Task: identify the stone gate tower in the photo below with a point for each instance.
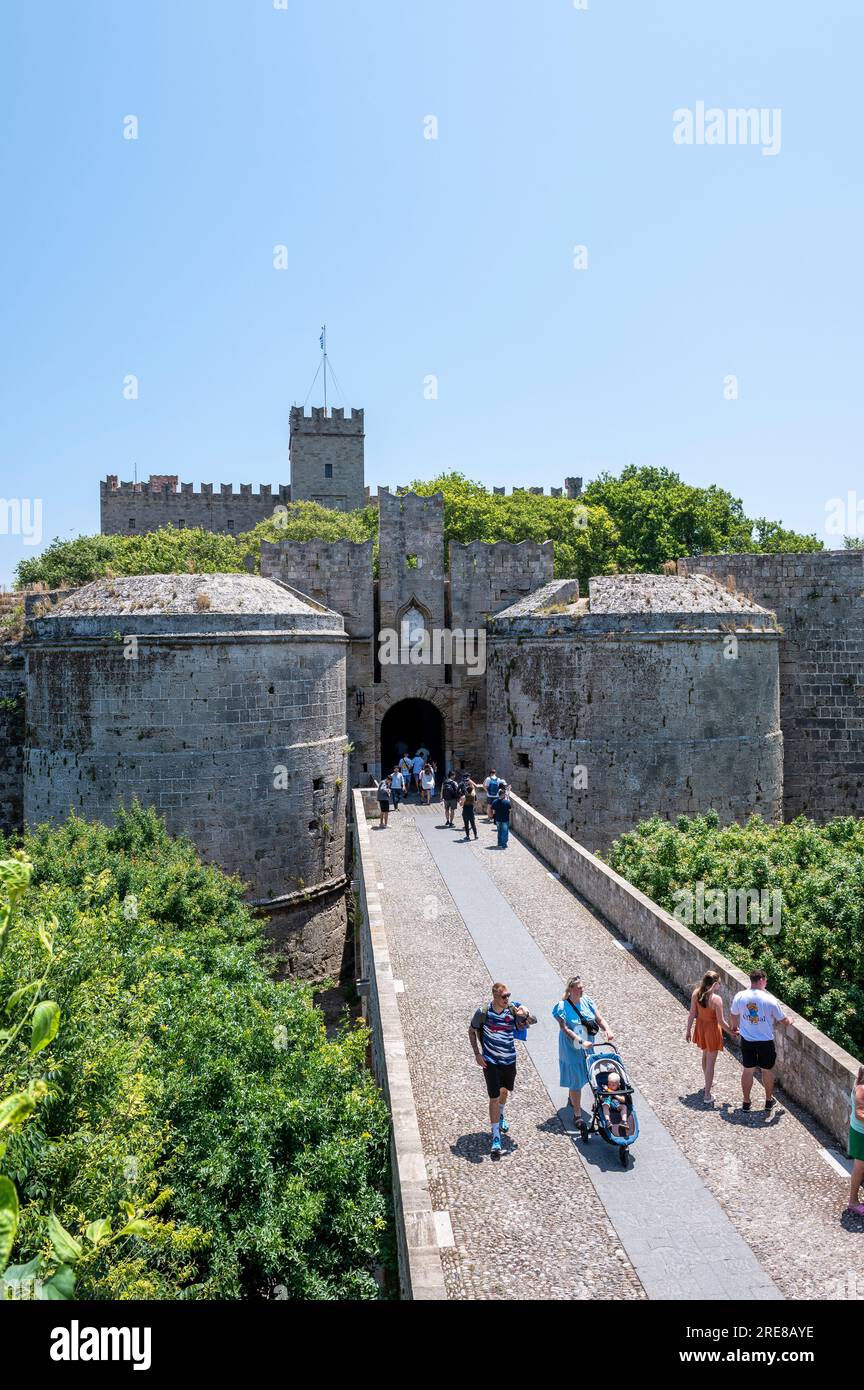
(326, 452)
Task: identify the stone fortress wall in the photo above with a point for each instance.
(656, 695)
(220, 701)
(339, 575)
(12, 706)
(483, 579)
(134, 508)
(819, 602)
(600, 709)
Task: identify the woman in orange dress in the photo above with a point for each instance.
(706, 1011)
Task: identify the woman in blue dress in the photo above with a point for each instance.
(572, 1013)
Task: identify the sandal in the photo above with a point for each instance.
(855, 1210)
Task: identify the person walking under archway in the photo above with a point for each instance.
(468, 803)
(706, 1011)
(491, 785)
(384, 801)
(501, 807)
(450, 797)
(397, 786)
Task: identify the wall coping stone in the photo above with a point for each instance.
(812, 1069)
(421, 1272)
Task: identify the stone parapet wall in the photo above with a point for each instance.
(484, 577)
(604, 720)
(814, 1071)
(421, 1275)
(819, 602)
(150, 507)
(11, 742)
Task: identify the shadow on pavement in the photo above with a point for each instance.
(475, 1148)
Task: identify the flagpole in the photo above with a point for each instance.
(324, 348)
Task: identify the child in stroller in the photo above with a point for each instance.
(612, 1115)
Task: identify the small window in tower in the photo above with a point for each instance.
(523, 760)
(181, 525)
(328, 470)
(230, 525)
(317, 784)
(313, 825)
(131, 523)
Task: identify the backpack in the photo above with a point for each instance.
(450, 790)
(492, 789)
(518, 1032)
(470, 795)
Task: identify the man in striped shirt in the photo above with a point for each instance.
(492, 1036)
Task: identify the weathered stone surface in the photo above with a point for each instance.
(12, 693)
(605, 716)
(227, 716)
(819, 601)
(327, 457)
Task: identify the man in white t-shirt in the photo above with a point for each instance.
(754, 1013)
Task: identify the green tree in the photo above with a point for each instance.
(584, 536)
(661, 518)
(166, 551)
(191, 1094)
(816, 960)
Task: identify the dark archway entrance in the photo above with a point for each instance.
(407, 726)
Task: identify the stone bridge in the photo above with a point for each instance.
(718, 1204)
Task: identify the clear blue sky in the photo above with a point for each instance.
(304, 126)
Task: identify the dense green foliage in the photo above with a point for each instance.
(636, 522)
(166, 551)
(661, 518)
(816, 961)
(186, 1083)
(586, 541)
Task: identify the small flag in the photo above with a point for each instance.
(322, 340)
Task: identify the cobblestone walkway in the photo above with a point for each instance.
(717, 1205)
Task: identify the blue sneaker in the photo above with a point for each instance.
(504, 1127)
(496, 1143)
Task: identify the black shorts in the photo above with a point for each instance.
(497, 1076)
(758, 1054)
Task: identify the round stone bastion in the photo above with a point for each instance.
(219, 700)
(657, 695)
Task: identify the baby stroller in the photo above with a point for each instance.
(600, 1065)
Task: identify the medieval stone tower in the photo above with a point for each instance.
(326, 451)
(327, 464)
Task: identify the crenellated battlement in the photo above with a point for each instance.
(330, 550)
(500, 550)
(333, 421)
(572, 489)
(163, 485)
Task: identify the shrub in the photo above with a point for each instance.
(188, 1083)
(816, 961)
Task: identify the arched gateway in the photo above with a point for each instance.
(409, 725)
